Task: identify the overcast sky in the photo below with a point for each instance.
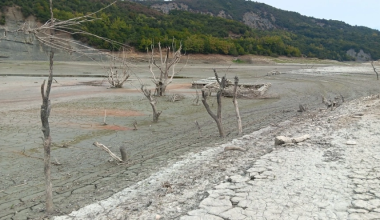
(354, 12)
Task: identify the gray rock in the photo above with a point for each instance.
(216, 205)
(197, 212)
(239, 179)
(234, 214)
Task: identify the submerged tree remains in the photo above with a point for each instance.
(168, 62)
(152, 101)
(117, 79)
(218, 117)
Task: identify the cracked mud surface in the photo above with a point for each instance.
(86, 176)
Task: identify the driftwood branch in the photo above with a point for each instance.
(279, 140)
(103, 147)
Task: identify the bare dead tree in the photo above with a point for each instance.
(48, 34)
(117, 79)
(375, 70)
(168, 62)
(234, 100)
(152, 101)
(218, 116)
(45, 113)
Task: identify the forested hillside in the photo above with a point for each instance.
(138, 25)
(314, 37)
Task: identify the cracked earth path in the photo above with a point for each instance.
(333, 175)
(337, 178)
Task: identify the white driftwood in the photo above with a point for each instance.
(279, 140)
(234, 148)
(101, 146)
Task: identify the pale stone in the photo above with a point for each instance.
(197, 212)
(216, 206)
(341, 206)
(361, 204)
(375, 203)
(357, 211)
(239, 179)
(234, 214)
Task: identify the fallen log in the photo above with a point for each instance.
(279, 140)
(103, 147)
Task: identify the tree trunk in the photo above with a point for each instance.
(160, 89)
(123, 152)
(45, 112)
(216, 118)
(240, 128)
(152, 102)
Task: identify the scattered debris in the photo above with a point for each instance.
(273, 72)
(351, 142)
(175, 97)
(103, 147)
(243, 90)
(279, 140)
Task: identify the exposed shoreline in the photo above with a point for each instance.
(86, 176)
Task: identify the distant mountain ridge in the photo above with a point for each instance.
(233, 27)
(265, 17)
